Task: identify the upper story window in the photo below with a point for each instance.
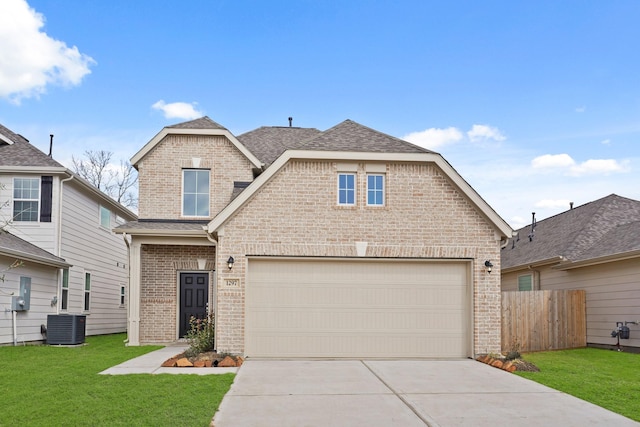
(26, 199)
(105, 218)
(375, 190)
(195, 192)
(347, 189)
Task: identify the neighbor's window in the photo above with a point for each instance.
(375, 190)
(87, 291)
(347, 189)
(525, 283)
(26, 199)
(122, 295)
(195, 192)
(105, 218)
(64, 304)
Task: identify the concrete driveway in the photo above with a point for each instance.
(397, 393)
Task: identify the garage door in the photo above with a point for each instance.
(357, 308)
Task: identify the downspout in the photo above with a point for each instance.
(126, 242)
(15, 328)
(59, 232)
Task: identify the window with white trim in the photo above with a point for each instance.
(105, 218)
(346, 189)
(375, 189)
(26, 199)
(64, 303)
(122, 290)
(195, 192)
(87, 291)
(525, 282)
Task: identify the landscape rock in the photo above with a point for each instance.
(199, 364)
(184, 362)
(171, 363)
(227, 362)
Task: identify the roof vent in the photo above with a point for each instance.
(290, 121)
(570, 205)
(533, 226)
(50, 145)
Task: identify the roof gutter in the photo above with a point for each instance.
(531, 265)
(568, 265)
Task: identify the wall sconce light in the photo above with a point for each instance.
(488, 266)
(54, 300)
(230, 262)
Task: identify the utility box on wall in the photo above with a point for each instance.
(22, 302)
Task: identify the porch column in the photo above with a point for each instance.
(133, 324)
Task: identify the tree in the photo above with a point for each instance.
(119, 182)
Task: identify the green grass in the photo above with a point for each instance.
(56, 386)
(606, 378)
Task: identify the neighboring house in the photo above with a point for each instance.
(342, 243)
(595, 247)
(57, 211)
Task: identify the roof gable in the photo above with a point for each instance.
(596, 229)
(201, 126)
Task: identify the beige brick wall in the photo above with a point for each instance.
(425, 216)
(160, 265)
(160, 173)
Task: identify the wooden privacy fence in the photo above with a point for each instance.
(543, 320)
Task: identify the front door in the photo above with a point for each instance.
(194, 296)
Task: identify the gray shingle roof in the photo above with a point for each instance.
(15, 246)
(163, 225)
(201, 123)
(268, 143)
(22, 153)
(352, 136)
(606, 226)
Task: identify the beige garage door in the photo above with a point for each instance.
(357, 308)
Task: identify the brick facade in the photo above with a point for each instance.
(296, 214)
(160, 173)
(160, 265)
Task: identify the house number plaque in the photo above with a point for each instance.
(232, 283)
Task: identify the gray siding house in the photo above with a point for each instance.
(49, 207)
(595, 247)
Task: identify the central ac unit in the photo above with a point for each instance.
(66, 329)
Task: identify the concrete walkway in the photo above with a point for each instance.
(398, 393)
(150, 364)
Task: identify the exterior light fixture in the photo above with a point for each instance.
(488, 266)
(230, 262)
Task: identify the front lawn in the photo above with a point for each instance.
(44, 385)
(606, 378)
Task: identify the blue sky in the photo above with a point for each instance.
(535, 104)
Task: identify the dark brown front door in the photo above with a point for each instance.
(194, 295)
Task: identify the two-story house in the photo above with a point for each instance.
(305, 243)
(60, 228)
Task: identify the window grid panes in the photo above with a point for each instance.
(346, 189)
(26, 199)
(87, 291)
(105, 217)
(525, 283)
(375, 190)
(64, 304)
(195, 198)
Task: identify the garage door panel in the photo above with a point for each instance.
(338, 308)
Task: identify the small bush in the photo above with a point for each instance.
(200, 335)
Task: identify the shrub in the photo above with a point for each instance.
(200, 335)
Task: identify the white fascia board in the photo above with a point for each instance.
(173, 131)
(457, 180)
(5, 139)
(158, 232)
(595, 261)
(532, 265)
(40, 170)
(22, 256)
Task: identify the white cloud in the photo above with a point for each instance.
(606, 141)
(178, 110)
(31, 60)
(581, 109)
(589, 167)
(434, 137)
(480, 133)
(599, 167)
(552, 161)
